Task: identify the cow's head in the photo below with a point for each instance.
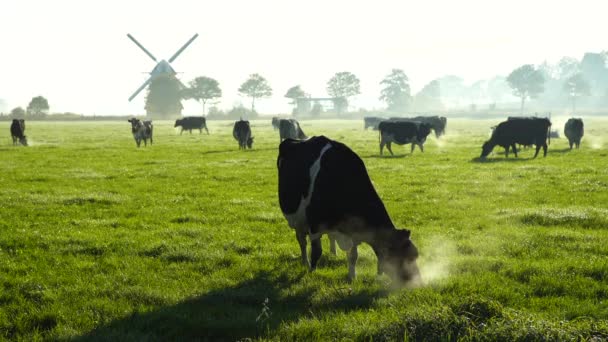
(398, 257)
(250, 142)
(23, 140)
(424, 130)
(486, 148)
(178, 122)
(135, 123)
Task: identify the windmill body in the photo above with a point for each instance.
(162, 68)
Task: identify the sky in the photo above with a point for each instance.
(77, 55)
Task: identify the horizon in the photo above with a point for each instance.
(74, 60)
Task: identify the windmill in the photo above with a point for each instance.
(162, 67)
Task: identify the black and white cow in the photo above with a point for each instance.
(18, 132)
(290, 129)
(574, 131)
(192, 122)
(403, 132)
(242, 133)
(523, 131)
(372, 121)
(141, 131)
(324, 188)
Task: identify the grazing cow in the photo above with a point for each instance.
(242, 133)
(324, 188)
(403, 132)
(141, 131)
(524, 131)
(17, 132)
(574, 131)
(290, 129)
(372, 121)
(192, 122)
(275, 123)
(438, 123)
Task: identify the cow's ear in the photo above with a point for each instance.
(404, 234)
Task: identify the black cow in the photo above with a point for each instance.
(372, 121)
(192, 122)
(242, 133)
(324, 188)
(523, 131)
(275, 123)
(18, 131)
(141, 131)
(403, 132)
(574, 131)
(438, 123)
(290, 129)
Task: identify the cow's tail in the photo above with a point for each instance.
(549, 133)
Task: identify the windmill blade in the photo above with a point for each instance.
(141, 47)
(182, 49)
(140, 89)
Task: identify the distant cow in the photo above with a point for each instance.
(524, 131)
(275, 123)
(438, 123)
(403, 132)
(372, 121)
(574, 131)
(18, 132)
(242, 133)
(141, 131)
(290, 129)
(192, 122)
(324, 188)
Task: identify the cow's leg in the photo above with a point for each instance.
(150, 139)
(182, 131)
(571, 143)
(537, 149)
(332, 245)
(200, 131)
(545, 149)
(413, 147)
(352, 262)
(514, 146)
(578, 144)
(421, 147)
(388, 147)
(315, 252)
(381, 146)
(507, 151)
(207, 130)
(301, 236)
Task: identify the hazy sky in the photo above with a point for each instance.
(77, 55)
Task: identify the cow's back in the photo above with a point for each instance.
(525, 131)
(574, 128)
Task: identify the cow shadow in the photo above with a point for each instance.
(560, 151)
(500, 160)
(388, 156)
(252, 308)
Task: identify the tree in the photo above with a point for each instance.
(203, 89)
(526, 81)
(18, 113)
(341, 86)
(255, 87)
(429, 98)
(294, 93)
(576, 86)
(38, 107)
(396, 91)
(164, 99)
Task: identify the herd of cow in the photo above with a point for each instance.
(324, 187)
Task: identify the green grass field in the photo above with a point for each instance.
(184, 240)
